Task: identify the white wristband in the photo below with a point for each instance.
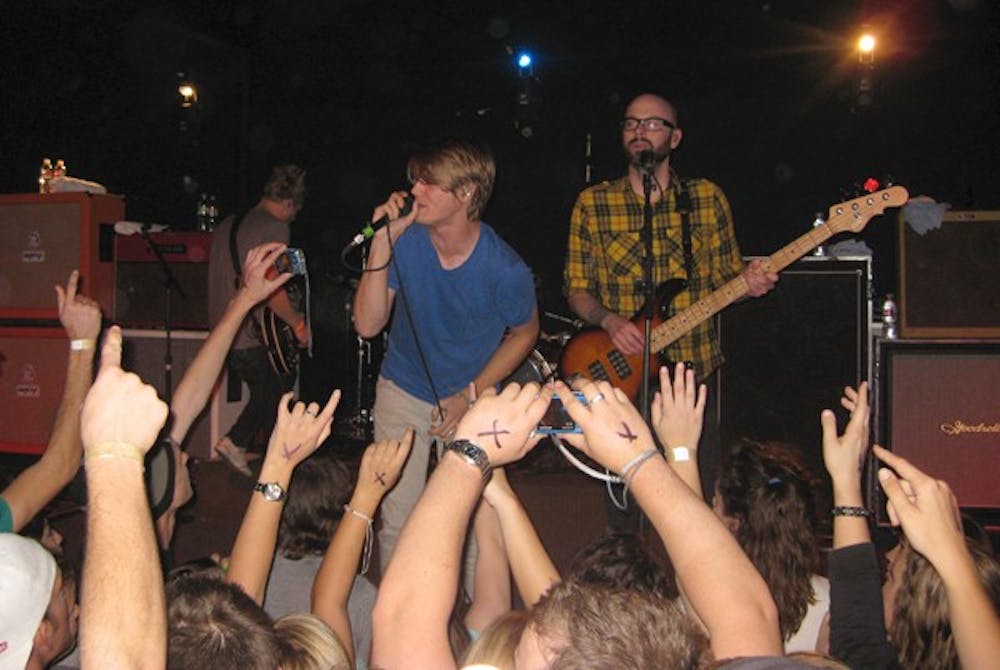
(81, 344)
(680, 454)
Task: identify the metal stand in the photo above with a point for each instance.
(169, 286)
(649, 290)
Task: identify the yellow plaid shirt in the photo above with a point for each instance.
(605, 251)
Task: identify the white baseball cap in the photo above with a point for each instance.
(27, 573)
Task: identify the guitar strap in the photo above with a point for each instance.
(234, 385)
(684, 209)
(234, 252)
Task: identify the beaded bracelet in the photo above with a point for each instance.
(851, 510)
(117, 450)
(366, 555)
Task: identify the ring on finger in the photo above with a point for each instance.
(596, 399)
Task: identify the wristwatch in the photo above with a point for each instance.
(271, 491)
(473, 454)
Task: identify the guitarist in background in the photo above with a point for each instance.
(602, 279)
(268, 221)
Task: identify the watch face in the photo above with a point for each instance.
(271, 491)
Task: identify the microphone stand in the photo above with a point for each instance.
(169, 285)
(649, 291)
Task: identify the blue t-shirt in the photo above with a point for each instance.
(6, 518)
(460, 315)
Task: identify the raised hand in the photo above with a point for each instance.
(299, 431)
(120, 410)
(79, 315)
(613, 431)
(925, 508)
(257, 285)
(381, 466)
(679, 408)
(503, 425)
(844, 454)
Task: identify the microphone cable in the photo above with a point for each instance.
(401, 295)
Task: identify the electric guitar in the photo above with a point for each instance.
(279, 340)
(591, 353)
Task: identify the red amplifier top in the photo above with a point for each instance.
(183, 247)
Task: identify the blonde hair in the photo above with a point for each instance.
(307, 643)
(459, 166)
(497, 642)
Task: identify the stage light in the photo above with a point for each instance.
(188, 92)
(524, 60)
(866, 48)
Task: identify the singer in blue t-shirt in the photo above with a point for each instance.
(461, 302)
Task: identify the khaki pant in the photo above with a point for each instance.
(395, 411)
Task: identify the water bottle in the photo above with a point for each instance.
(202, 213)
(44, 175)
(818, 222)
(889, 322)
(213, 213)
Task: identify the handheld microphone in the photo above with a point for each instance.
(369, 230)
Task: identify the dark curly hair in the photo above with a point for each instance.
(316, 497)
(622, 560)
(768, 491)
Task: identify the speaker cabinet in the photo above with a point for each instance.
(948, 278)
(32, 378)
(143, 353)
(140, 285)
(790, 353)
(937, 407)
(44, 237)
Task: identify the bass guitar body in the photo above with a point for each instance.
(590, 353)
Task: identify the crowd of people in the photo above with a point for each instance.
(730, 574)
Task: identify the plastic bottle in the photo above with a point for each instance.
(889, 316)
(44, 175)
(202, 213)
(213, 213)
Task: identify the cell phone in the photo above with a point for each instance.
(557, 420)
(291, 261)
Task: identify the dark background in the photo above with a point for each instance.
(767, 93)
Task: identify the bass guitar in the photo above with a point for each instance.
(590, 353)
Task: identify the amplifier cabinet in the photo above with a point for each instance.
(140, 287)
(32, 378)
(937, 407)
(790, 353)
(948, 278)
(44, 237)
